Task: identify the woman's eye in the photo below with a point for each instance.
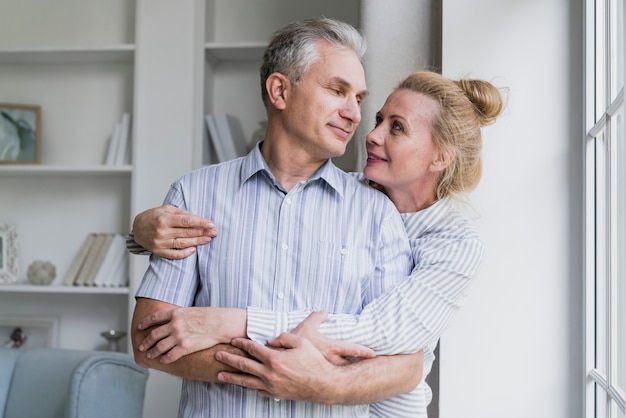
(377, 121)
(396, 126)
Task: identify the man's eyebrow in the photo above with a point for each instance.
(345, 83)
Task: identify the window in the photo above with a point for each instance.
(605, 211)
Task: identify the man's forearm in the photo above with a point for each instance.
(379, 378)
(200, 365)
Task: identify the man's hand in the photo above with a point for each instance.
(297, 371)
(181, 331)
(336, 352)
(170, 232)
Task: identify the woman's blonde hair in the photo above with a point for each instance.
(465, 106)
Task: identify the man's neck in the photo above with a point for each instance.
(289, 165)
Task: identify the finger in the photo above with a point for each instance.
(241, 363)
(347, 349)
(161, 347)
(155, 318)
(181, 243)
(173, 254)
(153, 338)
(245, 380)
(285, 340)
(189, 220)
(172, 355)
(314, 320)
(253, 348)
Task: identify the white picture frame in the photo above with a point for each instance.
(8, 253)
(34, 332)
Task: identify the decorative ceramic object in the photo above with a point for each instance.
(41, 272)
(113, 336)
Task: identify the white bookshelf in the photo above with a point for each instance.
(82, 78)
(86, 62)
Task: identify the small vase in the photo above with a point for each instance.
(113, 337)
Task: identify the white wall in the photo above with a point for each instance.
(515, 348)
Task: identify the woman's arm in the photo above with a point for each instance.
(412, 314)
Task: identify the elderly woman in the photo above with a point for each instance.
(424, 153)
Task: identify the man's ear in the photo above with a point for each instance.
(277, 86)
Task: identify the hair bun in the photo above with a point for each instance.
(485, 97)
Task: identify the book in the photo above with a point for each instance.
(123, 149)
(113, 257)
(114, 142)
(214, 138)
(79, 260)
(119, 276)
(93, 260)
(231, 135)
(226, 135)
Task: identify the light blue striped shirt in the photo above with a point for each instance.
(330, 243)
(448, 253)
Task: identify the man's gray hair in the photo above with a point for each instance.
(293, 48)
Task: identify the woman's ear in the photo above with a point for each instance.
(443, 160)
(277, 86)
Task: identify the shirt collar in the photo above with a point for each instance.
(417, 223)
(254, 163)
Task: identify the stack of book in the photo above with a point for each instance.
(118, 151)
(101, 261)
(226, 135)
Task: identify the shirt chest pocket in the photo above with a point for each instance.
(339, 274)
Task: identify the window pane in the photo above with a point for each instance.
(600, 60)
(601, 240)
(620, 229)
(619, 43)
(617, 47)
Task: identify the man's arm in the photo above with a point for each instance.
(200, 365)
(297, 371)
(170, 232)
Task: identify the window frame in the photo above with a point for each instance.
(604, 101)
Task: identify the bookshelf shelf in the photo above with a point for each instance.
(56, 55)
(61, 289)
(53, 170)
(217, 52)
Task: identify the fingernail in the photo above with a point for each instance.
(141, 348)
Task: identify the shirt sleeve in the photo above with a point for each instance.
(134, 248)
(414, 313)
(171, 281)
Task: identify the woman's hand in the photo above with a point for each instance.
(181, 331)
(336, 352)
(170, 232)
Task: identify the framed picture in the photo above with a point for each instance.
(8, 253)
(20, 127)
(29, 332)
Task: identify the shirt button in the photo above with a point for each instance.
(343, 251)
(288, 201)
(281, 295)
(284, 247)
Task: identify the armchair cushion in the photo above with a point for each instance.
(61, 383)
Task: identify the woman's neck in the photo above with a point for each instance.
(408, 201)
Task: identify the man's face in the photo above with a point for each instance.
(324, 109)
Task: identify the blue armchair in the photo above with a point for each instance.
(62, 383)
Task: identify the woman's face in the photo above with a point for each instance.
(401, 155)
